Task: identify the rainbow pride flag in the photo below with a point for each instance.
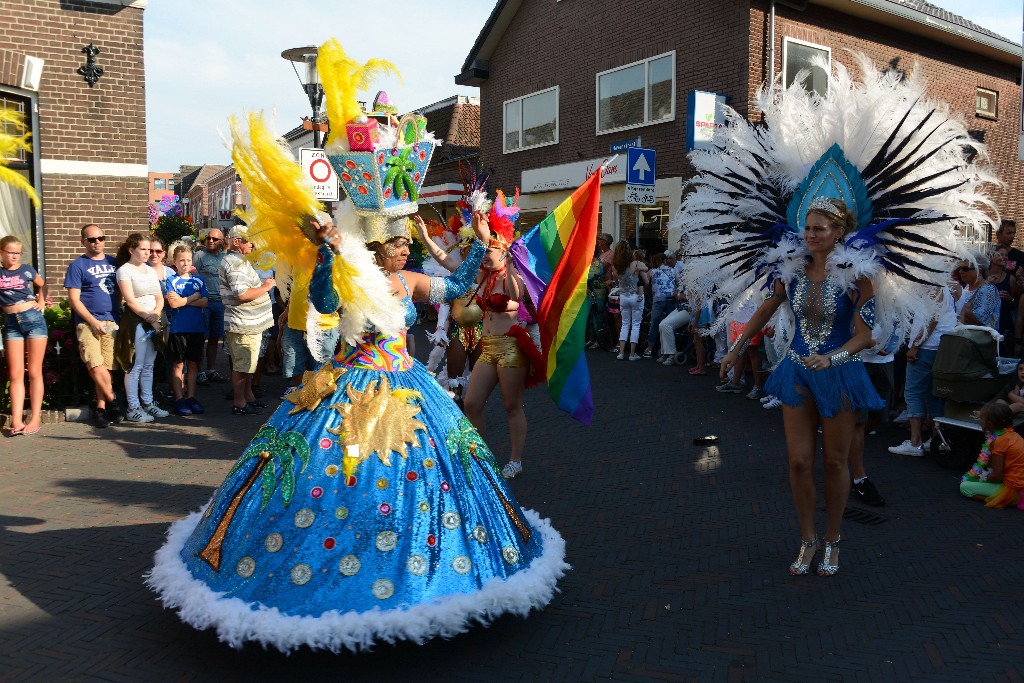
(554, 259)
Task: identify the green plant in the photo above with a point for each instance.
(172, 228)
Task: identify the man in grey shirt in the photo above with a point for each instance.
(247, 312)
(207, 264)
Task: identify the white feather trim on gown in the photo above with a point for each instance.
(237, 621)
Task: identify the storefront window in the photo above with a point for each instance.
(645, 227)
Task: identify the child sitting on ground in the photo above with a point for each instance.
(186, 298)
(1015, 391)
(998, 476)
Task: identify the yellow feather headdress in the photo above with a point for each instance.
(282, 202)
(343, 78)
(10, 145)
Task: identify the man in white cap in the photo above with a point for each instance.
(247, 313)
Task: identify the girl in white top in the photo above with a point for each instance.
(140, 287)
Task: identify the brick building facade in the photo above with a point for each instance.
(88, 162)
(722, 47)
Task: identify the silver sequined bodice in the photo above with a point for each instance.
(824, 315)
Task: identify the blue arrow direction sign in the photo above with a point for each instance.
(640, 166)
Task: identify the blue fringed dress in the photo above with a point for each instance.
(824, 322)
(309, 543)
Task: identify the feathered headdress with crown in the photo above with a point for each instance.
(904, 166)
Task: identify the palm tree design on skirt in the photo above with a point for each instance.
(266, 447)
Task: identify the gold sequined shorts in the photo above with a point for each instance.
(501, 351)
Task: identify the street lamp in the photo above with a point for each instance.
(310, 80)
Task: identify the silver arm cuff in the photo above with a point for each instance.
(840, 357)
(437, 289)
(740, 346)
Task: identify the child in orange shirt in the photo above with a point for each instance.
(998, 476)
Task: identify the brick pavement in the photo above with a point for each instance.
(679, 556)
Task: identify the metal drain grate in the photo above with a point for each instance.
(863, 517)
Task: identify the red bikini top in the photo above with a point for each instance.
(497, 302)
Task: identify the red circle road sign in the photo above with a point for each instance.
(326, 171)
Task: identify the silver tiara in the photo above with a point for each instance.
(825, 205)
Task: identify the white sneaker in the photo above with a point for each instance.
(773, 404)
(155, 410)
(907, 448)
(767, 397)
(138, 415)
(513, 468)
(902, 418)
(634, 356)
(669, 360)
(756, 393)
(621, 356)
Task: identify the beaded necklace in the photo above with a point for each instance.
(981, 470)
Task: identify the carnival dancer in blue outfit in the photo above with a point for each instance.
(840, 213)
(367, 508)
(821, 378)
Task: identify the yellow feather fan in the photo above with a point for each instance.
(281, 204)
(343, 78)
(10, 145)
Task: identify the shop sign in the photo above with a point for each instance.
(704, 114)
(570, 176)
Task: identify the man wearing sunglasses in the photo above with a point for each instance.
(207, 264)
(94, 297)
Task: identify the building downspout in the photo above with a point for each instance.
(771, 43)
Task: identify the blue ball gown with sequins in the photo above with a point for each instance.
(824, 322)
(303, 546)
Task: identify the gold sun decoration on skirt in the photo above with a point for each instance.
(379, 421)
(315, 387)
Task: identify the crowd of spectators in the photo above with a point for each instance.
(154, 313)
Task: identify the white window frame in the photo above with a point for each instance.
(504, 128)
(995, 100)
(647, 95)
(786, 41)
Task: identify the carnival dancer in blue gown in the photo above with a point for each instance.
(367, 508)
(839, 215)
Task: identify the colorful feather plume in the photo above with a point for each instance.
(10, 146)
(914, 178)
(343, 78)
(281, 203)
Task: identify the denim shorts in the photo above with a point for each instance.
(28, 324)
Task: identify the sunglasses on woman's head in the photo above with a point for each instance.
(94, 240)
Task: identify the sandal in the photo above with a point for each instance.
(804, 559)
(16, 431)
(697, 371)
(828, 565)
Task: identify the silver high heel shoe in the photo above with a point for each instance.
(827, 567)
(804, 559)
